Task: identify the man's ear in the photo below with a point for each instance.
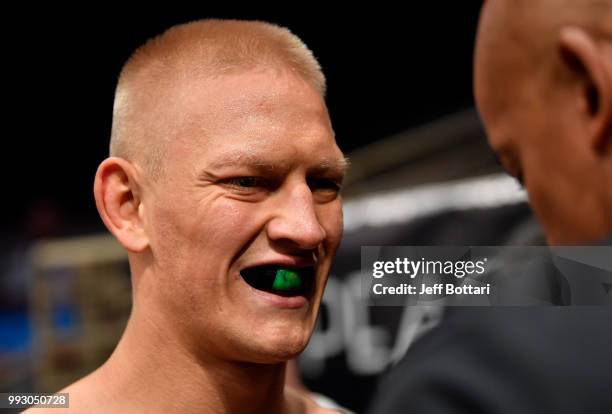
(588, 60)
(117, 199)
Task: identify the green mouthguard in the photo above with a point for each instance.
(286, 279)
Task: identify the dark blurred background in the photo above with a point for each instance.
(400, 98)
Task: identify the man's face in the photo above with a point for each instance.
(531, 127)
(249, 187)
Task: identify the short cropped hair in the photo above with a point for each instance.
(203, 49)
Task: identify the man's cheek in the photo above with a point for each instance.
(232, 221)
(332, 222)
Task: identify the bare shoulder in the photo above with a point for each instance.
(301, 402)
(317, 409)
(73, 405)
(37, 410)
(84, 396)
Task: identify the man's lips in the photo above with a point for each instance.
(280, 279)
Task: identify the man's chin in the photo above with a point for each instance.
(276, 356)
(276, 348)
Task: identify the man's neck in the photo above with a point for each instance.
(150, 372)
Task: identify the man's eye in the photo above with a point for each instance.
(246, 182)
(324, 186)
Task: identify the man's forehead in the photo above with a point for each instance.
(184, 95)
(259, 89)
(254, 105)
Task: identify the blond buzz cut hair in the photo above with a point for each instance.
(203, 49)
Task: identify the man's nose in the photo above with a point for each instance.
(295, 219)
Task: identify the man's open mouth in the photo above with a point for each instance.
(280, 280)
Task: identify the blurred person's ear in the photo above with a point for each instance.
(591, 62)
(119, 204)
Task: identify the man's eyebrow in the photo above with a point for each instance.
(336, 165)
(241, 159)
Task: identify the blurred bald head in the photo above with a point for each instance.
(159, 74)
(519, 36)
(543, 87)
